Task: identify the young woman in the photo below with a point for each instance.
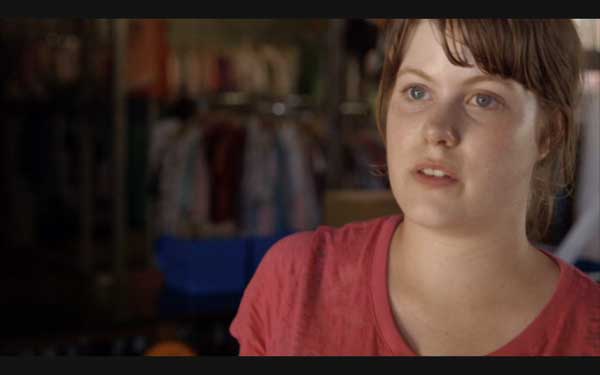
(477, 118)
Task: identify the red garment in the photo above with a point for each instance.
(224, 155)
(147, 57)
(325, 293)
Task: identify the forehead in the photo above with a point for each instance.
(425, 46)
(424, 53)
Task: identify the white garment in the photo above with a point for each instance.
(170, 147)
(259, 180)
(583, 240)
(303, 210)
(160, 137)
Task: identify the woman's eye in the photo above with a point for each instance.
(417, 93)
(485, 101)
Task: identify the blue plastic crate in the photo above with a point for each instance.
(258, 247)
(211, 266)
(203, 267)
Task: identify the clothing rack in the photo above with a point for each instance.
(291, 106)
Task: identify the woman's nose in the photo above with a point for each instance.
(441, 127)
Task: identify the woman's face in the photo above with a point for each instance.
(478, 129)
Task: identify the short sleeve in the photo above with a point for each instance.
(250, 324)
(264, 298)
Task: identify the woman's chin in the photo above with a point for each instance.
(434, 217)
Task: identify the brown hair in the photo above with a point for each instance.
(544, 56)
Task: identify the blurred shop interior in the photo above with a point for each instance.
(149, 164)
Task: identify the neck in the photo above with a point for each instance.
(443, 266)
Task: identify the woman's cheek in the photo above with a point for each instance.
(502, 158)
(400, 120)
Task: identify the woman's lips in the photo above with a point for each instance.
(434, 181)
(435, 166)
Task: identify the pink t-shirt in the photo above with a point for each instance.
(325, 292)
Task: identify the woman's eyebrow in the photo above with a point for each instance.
(414, 71)
(487, 78)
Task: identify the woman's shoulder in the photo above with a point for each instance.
(577, 310)
(347, 243)
(579, 290)
(576, 279)
(588, 288)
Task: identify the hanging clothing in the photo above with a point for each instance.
(200, 212)
(258, 181)
(300, 201)
(225, 147)
(187, 196)
(147, 56)
(179, 140)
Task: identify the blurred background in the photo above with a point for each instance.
(148, 164)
